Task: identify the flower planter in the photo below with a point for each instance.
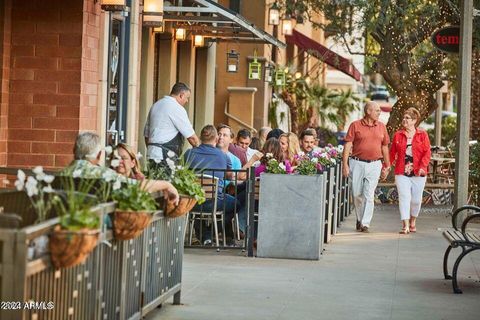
(185, 204)
(291, 216)
(130, 224)
(69, 248)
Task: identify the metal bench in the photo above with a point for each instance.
(468, 241)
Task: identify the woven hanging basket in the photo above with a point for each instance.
(185, 204)
(69, 248)
(130, 224)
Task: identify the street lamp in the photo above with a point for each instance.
(153, 13)
(287, 25)
(274, 15)
(232, 61)
(113, 5)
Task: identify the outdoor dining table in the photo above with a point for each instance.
(436, 161)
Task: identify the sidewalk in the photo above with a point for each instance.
(379, 275)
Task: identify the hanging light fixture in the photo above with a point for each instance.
(113, 5)
(232, 61)
(159, 29)
(287, 25)
(298, 75)
(308, 80)
(280, 78)
(198, 40)
(153, 13)
(254, 68)
(274, 15)
(268, 73)
(180, 34)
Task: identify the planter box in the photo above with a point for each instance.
(291, 216)
(119, 280)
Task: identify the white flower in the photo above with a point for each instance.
(340, 148)
(282, 166)
(48, 179)
(269, 155)
(37, 170)
(171, 154)
(20, 183)
(314, 160)
(108, 150)
(115, 163)
(157, 161)
(109, 175)
(170, 163)
(139, 155)
(116, 185)
(48, 189)
(333, 161)
(77, 173)
(31, 186)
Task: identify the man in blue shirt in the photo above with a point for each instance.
(212, 161)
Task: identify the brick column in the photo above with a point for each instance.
(5, 32)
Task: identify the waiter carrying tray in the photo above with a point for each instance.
(168, 125)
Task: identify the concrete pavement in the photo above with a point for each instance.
(379, 275)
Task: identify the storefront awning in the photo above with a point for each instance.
(324, 54)
(212, 20)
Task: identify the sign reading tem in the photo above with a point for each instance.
(447, 39)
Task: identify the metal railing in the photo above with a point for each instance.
(119, 279)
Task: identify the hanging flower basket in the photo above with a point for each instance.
(69, 248)
(130, 224)
(185, 204)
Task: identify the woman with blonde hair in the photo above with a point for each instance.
(290, 146)
(410, 154)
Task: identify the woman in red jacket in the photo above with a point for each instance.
(410, 154)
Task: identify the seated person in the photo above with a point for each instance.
(204, 157)
(129, 167)
(244, 138)
(273, 149)
(290, 147)
(308, 142)
(275, 133)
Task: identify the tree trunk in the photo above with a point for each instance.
(475, 99)
(290, 101)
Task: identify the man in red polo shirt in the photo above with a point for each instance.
(368, 140)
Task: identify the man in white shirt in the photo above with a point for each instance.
(168, 125)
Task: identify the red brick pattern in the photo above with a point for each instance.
(5, 75)
(49, 79)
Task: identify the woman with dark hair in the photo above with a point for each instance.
(272, 150)
(410, 154)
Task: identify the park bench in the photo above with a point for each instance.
(468, 241)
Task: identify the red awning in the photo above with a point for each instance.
(324, 54)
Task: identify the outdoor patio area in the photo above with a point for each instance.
(377, 275)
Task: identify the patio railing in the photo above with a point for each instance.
(119, 279)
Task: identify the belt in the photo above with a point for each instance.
(363, 160)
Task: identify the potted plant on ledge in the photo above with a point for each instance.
(135, 207)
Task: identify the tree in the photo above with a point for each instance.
(401, 30)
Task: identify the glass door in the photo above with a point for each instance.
(117, 89)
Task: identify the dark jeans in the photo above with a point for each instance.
(227, 205)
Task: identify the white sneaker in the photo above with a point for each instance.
(207, 242)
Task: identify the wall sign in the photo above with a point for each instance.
(447, 39)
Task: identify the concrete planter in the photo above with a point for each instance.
(291, 216)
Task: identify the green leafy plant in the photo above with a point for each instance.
(131, 197)
(306, 166)
(180, 175)
(273, 166)
(74, 203)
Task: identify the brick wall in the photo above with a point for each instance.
(5, 32)
(53, 81)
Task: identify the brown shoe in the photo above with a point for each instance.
(359, 226)
(365, 229)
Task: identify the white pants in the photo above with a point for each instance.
(410, 193)
(365, 177)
